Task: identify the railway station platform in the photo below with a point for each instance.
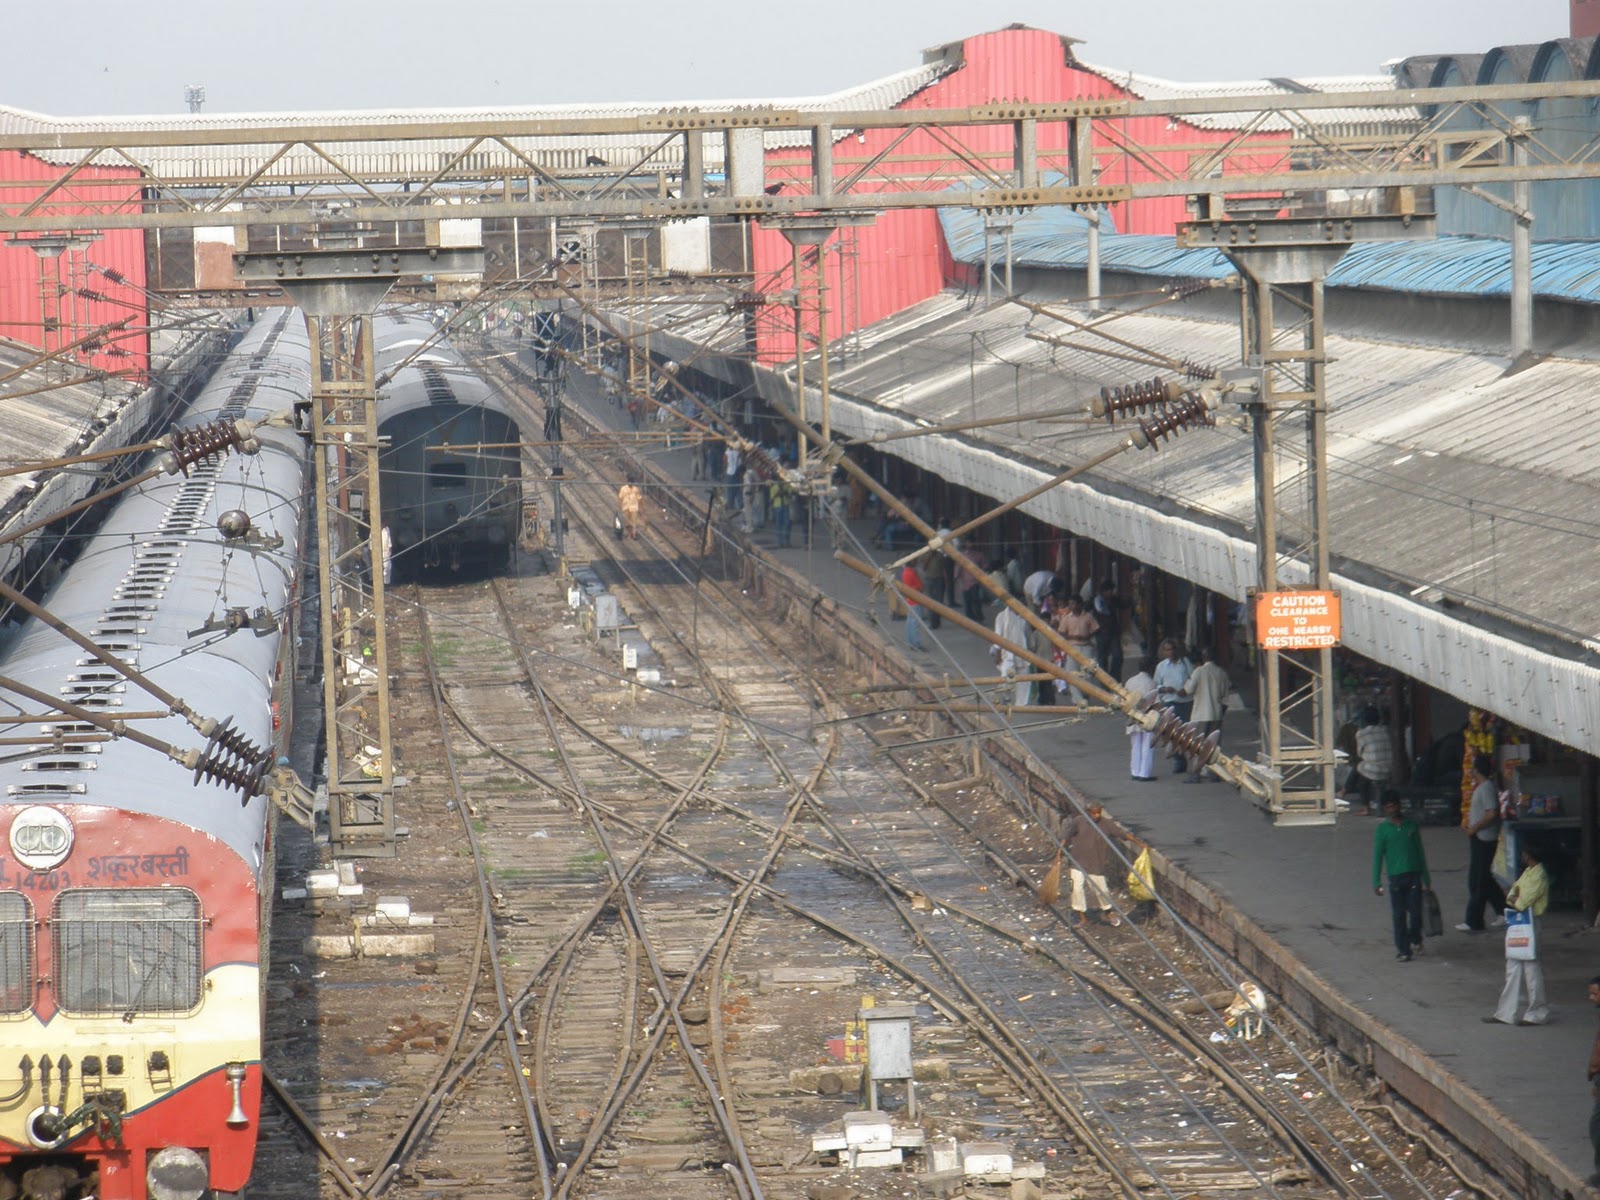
(1309, 888)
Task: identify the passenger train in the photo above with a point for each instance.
(135, 892)
(446, 504)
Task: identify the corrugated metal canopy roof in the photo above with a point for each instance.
(49, 422)
(1444, 266)
(1445, 474)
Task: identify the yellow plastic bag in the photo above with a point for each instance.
(1141, 881)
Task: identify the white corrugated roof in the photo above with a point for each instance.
(877, 93)
(408, 158)
(1153, 87)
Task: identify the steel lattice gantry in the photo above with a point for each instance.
(338, 291)
(758, 162)
(1283, 264)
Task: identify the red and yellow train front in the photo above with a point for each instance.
(130, 1007)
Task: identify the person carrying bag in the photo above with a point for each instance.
(1525, 904)
(1397, 845)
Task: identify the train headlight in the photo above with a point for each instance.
(177, 1173)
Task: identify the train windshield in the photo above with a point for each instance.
(128, 951)
(447, 475)
(16, 953)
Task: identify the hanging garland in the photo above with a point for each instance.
(1479, 738)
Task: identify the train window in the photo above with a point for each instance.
(128, 951)
(16, 953)
(447, 475)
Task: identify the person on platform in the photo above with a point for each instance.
(1008, 624)
(1016, 576)
(970, 590)
(1089, 837)
(911, 579)
(857, 507)
(1529, 894)
(1142, 758)
(780, 500)
(1108, 608)
(1078, 625)
(733, 475)
(1172, 674)
(1594, 1087)
(1483, 831)
(1208, 689)
(1374, 758)
(1038, 585)
(1397, 845)
(757, 478)
(630, 500)
(937, 565)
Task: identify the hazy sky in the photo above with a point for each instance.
(117, 56)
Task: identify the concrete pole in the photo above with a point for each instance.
(988, 266)
(1093, 281)
(799, 356)
(1521, 250)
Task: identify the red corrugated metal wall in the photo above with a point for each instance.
(1585, 18)
(43, 301)
(902, 258)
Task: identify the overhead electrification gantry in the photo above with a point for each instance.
(755, 162)
(409, 182)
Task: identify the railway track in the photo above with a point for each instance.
(682, 892)
(1278, 1085)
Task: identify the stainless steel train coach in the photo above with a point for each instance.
(134, 890)
(450, 467)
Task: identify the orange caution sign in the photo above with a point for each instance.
(1298, 620)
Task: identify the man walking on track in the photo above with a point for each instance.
(631, 501)
(1088, 838)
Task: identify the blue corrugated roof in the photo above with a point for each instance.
(1466, 266)
(1445, 266)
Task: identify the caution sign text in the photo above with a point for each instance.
(1299, 620)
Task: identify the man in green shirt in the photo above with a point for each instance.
(1398, 843)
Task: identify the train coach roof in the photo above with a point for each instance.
(137, 779)
(428, 386)
(47, 419)
(154, 587)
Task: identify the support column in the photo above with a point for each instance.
(992, 226)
